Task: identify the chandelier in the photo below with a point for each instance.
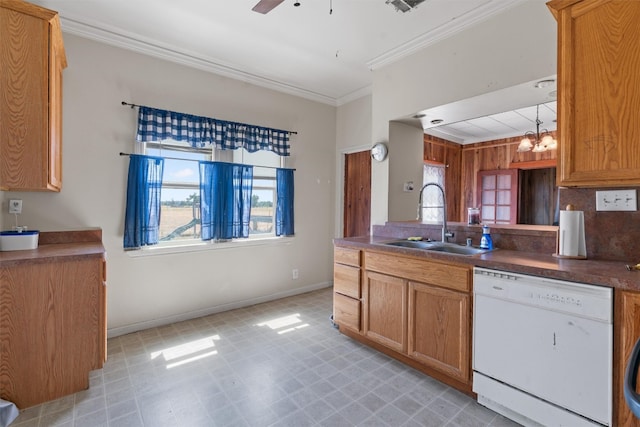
(537, 142)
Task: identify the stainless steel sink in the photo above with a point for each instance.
(411, 244)
(449, 248)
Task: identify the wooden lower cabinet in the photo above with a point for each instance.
(413, 309)
(439, 329)
(626, 333)
(52, 327)
(385, 310)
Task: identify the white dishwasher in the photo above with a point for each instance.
(542, 349)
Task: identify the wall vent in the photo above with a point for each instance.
(404, 5)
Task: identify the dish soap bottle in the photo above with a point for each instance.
(485, 240)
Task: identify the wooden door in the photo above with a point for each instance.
(385, 310)
(357, 194)
(537, 196)
(439, 329)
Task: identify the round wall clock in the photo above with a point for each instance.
(379, 151)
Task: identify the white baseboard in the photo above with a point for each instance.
(123, 330)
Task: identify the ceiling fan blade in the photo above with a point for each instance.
(265, 6)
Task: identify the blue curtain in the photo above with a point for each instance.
(157, 125)
(284, 204)
(225, 200)
(142, 214)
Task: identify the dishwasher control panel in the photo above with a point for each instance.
(595, 302)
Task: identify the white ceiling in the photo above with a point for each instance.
(302, 50)
(499, 126)
(501, 114)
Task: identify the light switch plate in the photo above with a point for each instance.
(616, 200)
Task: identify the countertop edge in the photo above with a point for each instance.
(596, 272)
(58, 244)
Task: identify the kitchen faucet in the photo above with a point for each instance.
(445, 232)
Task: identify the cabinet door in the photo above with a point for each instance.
(627, 332)
(598, 92)
(23, 99)
(385, 310)
(439, 329)
(31, 66)
(50, 334)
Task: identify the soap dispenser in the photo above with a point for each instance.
(485, 240)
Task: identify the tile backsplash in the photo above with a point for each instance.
(608, 235)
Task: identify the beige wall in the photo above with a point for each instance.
(514, 47)
(353, 135)
(157, 289)
(405, 164)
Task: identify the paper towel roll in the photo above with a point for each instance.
(571, 234)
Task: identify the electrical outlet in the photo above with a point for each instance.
(15, 206)
(294, 274)
(616, 200)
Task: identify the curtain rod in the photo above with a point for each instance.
(290, 132)
(193, 160)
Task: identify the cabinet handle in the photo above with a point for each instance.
(104, 270)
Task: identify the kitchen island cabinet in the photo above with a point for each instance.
(32, 58)
(52, 320)
(598, 92)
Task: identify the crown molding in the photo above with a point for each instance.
(118, 38)
(367, 90)
(440, 33)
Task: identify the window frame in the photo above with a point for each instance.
(513, 191)
(211, 154)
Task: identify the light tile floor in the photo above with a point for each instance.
(279, 363)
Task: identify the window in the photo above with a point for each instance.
(263, 203)
(432, 201)
(498, 195)
(180, 196)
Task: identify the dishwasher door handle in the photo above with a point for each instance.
(630, 376)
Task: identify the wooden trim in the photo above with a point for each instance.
(557, 5)
(535, 164)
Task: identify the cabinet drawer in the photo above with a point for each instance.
(346, 256)
(346, 312)
(346, 280)
(435, 273)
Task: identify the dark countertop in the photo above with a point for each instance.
(54, 245)
(605, 273)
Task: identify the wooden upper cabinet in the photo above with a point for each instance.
(598, 92)
(32, 58)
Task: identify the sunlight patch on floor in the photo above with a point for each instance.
(284, 324)
(188, 352)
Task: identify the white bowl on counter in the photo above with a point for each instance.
(18, 240)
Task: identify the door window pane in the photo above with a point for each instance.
(497, 192)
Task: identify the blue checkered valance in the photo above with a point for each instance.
(156, 125)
